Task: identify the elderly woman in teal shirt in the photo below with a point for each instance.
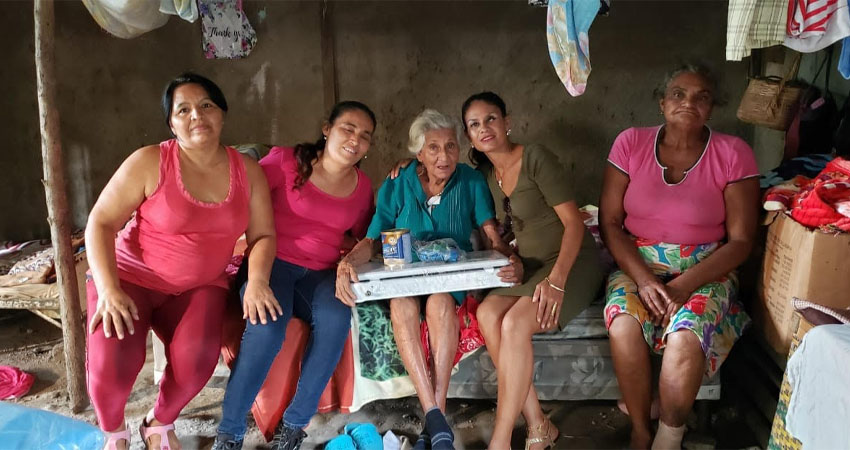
(434, 197)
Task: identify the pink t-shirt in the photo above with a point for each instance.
(175, 243)
(692, 211)
(310, 223)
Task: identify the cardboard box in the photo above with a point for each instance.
(801, 263)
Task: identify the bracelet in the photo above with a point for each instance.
(553, 286)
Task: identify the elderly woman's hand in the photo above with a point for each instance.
(345, 275)
(116, 310)
(259, 299)
(513, 272)
(549, 298)
(653, 294)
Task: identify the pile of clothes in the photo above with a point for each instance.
(821, 202)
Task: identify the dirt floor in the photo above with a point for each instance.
(34, 345)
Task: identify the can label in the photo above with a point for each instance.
(397, 247)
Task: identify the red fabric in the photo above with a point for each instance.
(280, 384)
(814, 202)
(174, 242)
(470, 333)
(14, 382)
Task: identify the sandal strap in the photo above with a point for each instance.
(161, 430)
(113, 438)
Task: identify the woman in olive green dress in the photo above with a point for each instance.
(534, 203)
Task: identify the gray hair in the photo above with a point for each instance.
(702, 70)
(430, 120)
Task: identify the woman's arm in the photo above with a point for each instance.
(549, 298)
(612, 214)
(741, 220)
(126, 190)
(345, 273)
(262, 247)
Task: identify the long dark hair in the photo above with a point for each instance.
(306, 153)
(212, 89)
(476, 157)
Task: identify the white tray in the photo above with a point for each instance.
(477, 271)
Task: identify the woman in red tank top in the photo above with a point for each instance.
(190, 199)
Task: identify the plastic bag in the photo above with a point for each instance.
(126, 18)
(445, 250)
(30, 429)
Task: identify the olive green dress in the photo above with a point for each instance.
(543, 184)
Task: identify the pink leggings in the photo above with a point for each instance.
(188, 324)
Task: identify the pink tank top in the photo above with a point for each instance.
(174, 242)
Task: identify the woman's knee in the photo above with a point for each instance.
(625, 327)
(404, 309)
(440, 307)
(684, 346)
(519, 323)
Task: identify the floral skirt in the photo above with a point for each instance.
(712, 312)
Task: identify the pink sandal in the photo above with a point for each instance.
(113, 438)
(161, 430)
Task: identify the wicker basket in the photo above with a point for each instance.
(771, 101)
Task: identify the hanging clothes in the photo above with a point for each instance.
(754, 24)
(227, 34)
(567, 24)
(126, 19)
(185, 9)
(816, 24)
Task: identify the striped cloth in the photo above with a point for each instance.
(755, 24)
(810, 17)
(816, 24)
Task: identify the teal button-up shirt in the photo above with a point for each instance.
(465, 204)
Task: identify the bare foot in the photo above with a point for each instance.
(154, 441)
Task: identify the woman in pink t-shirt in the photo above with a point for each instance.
(678, 213)
(322, 203)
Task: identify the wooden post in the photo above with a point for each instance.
(58, 216)
(329, 85)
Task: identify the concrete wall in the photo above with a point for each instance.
(398, 57)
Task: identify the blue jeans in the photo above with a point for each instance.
(308, 295)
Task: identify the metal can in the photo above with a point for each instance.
(397, 247)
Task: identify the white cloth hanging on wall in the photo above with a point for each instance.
(126, 19)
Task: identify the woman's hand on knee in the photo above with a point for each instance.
(117, 311)
(257, 300)
(549, 302)
(653, 294)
